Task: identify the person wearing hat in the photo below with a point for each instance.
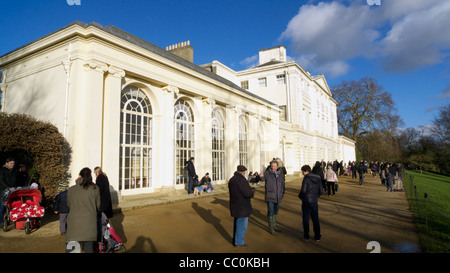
(240, 204)
(60, 206)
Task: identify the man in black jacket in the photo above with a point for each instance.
(240, 204)
(309, 193)
(7, 180)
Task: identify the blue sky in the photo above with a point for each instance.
(403, 44)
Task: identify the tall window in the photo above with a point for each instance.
(218, 147)
(184, 139)
(135, 140)
(261, 142)
(243, 136)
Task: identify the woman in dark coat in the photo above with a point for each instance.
(317, 169)
(105, 195)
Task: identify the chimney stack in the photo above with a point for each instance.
(183, 50)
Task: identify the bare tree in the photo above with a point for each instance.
(364, 106)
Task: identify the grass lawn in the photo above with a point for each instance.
(431, 215)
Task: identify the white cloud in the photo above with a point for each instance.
(250, 61)
(404, 34)
(446, 93)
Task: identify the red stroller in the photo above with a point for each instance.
(24, 210)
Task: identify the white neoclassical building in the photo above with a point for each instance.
(140, 112)
(308, 121)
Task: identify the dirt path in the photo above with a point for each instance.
(349, 220)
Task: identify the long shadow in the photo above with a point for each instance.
(141, 246)
(116, 222)
(208, 217)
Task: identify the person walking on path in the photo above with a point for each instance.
(60, 206)
(240, 205)
(353, 168)
(310, 191)
(83, 200)
(331, 178)
(191, 174)
(400, 177)
(274, 191)
(361, 171)
(389, 178)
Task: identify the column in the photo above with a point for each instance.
(86, 114)
(206, 138)
(111, 127)
(164, 140)
(231, 140)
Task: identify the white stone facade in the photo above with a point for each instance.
(139, 111)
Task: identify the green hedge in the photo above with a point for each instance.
(40, 146)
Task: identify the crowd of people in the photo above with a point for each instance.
(82, 206)
(322, 177)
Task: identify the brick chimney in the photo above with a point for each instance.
(183, 50)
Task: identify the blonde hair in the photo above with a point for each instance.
(99, 170)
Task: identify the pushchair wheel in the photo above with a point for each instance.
(27, 227)
(5, 222)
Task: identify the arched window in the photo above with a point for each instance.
(243, 146)
(135, 140)
(218, 147)
(262, 147)
(184, 139)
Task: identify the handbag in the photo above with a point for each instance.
(336, 186)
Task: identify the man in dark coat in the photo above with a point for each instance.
(309, 193)
(274, 191)
(8, 175)
(361, 169)
(191, 174)
(7, 180)
(240, 204)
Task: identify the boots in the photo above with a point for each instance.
(275, 224)
(271, 221)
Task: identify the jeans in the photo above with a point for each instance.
(353, 174)
(2, 207)
(389, 187)
(361, 179)
(210, 186)
(393, 178)
(311, 210)
(272, 208)
(190, 185)
(239, 229)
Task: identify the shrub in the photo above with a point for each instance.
(40, 146)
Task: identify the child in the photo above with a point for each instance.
(60, 206)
